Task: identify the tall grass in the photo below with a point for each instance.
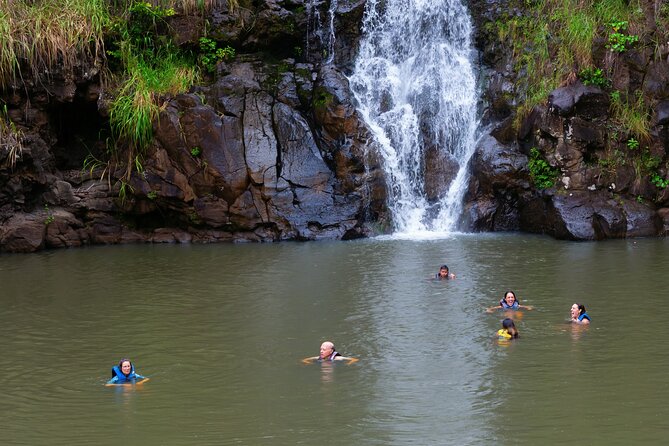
(8, 59)
(11, 139)
(632, 113)
(138, 102)
(184, 6)
(45, 35)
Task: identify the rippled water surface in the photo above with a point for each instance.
(221, 330)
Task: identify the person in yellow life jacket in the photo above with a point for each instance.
(508, 330)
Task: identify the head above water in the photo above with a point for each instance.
(125, 366)
(577, 310)
(510, 298)
(327, 349)
(510, 327)
(443, 271)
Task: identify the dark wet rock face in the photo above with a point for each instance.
(271, 147)
(605, 182)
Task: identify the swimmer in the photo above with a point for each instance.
(444, 273)
(579, 315)
(509, 302)
(124, 373)
(508, 330)
(328, 353)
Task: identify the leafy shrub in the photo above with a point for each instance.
(542, 174)
(618, 41)
(594, 76)
(659, 181)
(211, 54)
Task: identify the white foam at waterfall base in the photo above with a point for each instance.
(414, 78)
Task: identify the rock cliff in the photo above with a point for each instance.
(270, 146)
(267, 148)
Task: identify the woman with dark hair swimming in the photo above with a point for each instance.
(579, 315)
(124, 373)
(509, 302)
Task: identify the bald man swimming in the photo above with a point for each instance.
(328, 353)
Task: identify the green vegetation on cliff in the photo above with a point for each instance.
(40, 37)
(11, 140)
(553, 42)
(616, 45)
(150, 67)
(125, 42)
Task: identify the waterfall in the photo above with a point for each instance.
(416, 88)
(324, 34)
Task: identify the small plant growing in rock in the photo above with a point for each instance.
(211, 54)
(659, 181)
(152, 195)
(322, 98)
(632, 144)
(124, 190)
(542, 174)
(594, 76)
(49, 216)
(195, 152)
(618, 40)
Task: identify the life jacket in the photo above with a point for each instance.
(331, 357)
(583, 316)
(506, 306)
(503, 334)
(119, 378)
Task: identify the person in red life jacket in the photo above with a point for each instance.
(328, 353)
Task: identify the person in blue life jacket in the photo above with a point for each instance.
(444, 273)
(509, 302)
(124, 373)
(508, 330)
(328, 353)
(579, 315)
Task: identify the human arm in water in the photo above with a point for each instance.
(115, 382)
(348, 359)
(124, 373)
(499, 307)
(584, 321)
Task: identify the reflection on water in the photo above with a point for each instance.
(221, 331)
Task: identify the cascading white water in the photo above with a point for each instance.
(415, 85)
(325, 35)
